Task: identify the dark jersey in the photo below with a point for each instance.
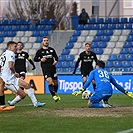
(50, 56)
(86, 61)
(20, 61)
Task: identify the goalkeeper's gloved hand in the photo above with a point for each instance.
(130, 94)
(76, 93)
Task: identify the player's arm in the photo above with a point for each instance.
(76, 93)
(120, 88)
(37, 57)
(55, 58)
(76, 65)
(31, 62)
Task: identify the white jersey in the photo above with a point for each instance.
(6, 73)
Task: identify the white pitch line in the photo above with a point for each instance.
(126, 131)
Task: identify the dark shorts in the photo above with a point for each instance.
(50, 73)
(85, 73)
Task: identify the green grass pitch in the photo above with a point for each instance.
(70, 115)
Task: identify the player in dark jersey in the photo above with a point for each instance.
(103, 89)
(20, 60)
(48, 58)
(86, 57)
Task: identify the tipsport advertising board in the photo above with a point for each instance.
(69, 84)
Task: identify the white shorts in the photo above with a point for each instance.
(12, 84)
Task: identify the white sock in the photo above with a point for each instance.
(15, 100)
(32, 96)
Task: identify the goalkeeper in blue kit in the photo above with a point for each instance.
(103, 90)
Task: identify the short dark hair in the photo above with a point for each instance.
(10, 42)
(101, 63)
(87, 43)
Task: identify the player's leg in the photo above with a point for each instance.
(30, 93)
(2, 96)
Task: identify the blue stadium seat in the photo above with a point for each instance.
(108, 20)
(69, 57)
(65, 51)
(40, 27)
(98, 51)
(70, 70)
(20, 21)
(115, 20)
(1, 39)
(59, 64)
(115, 69)
(39, 39)
(48, 28)
(97, 39)
(126, 64)
(43, 33)
(96, 27)
(61, 70)
(128, 26)
(121, 57)
(8, 28)
(36, 33)
(130, 50)
(92, 21)
(100, 33)
(94, 44)
(15, 27)
(88, 27)
(26, 22)
(102, 44)
(112, 57)
(13, 22)
(3, 34)
(100, 20)
(69, 45)
(73, 39)
(109, 64)
(24, 28)
(52, 22)
(131, 20)
(122, 69)
(131, 32)
(129, 57)
(80, 27)
(112, 26)
(1, 28)
(117, 64)
(44, 21)
(108, 32)
(77, 33)
(32, 28)
(4, 22)
(11, 33)
(104, 26)
(72, 64)
(124, 51)
(123, 20)
(105, 38)
(120, 26)
(130, 38)
(65, 64)
(128, 45)
(62, 58)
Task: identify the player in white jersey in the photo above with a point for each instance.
(12, 80)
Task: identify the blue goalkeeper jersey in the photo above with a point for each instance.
(103, 80)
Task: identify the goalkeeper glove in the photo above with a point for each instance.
(76, 93)
(130, 94)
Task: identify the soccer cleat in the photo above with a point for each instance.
(106, 104)
(39, 104)
(56, 98)
(9, 103)
(6, 108)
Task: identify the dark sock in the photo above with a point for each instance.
(56, 88)
(2, 100)
(94, 86)
(51, 89)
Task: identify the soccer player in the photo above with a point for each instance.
(20, 60)
(86, 57)
(10, 77)
(48, 58)
(103, 89)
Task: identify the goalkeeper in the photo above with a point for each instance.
(103, 89)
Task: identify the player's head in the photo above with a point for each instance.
(11, 45)
(45, 41)
(87, 46)
(100, 64)
(19, 46)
